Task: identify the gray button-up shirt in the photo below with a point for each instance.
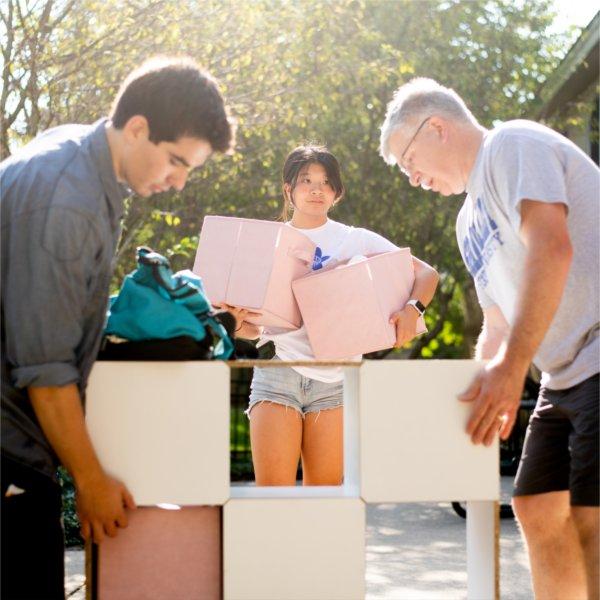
(61, 208)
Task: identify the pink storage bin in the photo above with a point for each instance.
(347, 309)
(251, 264)
(162, 554)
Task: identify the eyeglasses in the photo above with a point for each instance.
(401, 163)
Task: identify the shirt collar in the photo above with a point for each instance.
(471, 181)
(102, 157)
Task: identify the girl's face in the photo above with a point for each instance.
(313, 195)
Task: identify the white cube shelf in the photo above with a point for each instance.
(294, 549)
(413, 445)
(163, 429)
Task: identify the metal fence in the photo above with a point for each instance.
(241, 457)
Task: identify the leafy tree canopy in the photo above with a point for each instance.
(292, 71)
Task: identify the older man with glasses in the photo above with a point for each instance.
(528, 233)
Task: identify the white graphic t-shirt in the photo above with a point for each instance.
(522, 160)
(335, 242)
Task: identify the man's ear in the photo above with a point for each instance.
(440, 126)
(136, 129)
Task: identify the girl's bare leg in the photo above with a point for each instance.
(276, 438)
(323, 447)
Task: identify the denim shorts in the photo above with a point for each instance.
(283, 385)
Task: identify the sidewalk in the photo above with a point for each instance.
(414, 552)
(75, 574)
(418, 552)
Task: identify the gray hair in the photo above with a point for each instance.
(415, 101)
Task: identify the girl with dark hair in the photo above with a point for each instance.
(296, 412)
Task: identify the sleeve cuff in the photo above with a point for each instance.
(46, 375)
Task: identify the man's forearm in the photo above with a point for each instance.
(542, 284)
(60, 414)
(101, 499)
(489, 342)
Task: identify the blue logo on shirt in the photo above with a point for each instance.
(480, 243)
(319, 259)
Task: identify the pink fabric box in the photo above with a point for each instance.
(251, 264)
(174, 554)
(347, 309)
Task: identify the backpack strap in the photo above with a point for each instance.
(224, 348)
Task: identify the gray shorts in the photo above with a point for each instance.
(287, 387)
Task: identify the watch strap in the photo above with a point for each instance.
(417, 305)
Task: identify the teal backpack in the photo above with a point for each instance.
(154, 305)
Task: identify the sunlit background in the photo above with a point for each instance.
(319, 70)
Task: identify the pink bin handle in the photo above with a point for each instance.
(303, 255)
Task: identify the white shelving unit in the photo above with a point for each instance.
(163, 428)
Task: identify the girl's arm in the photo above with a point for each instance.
(243, 329)
(249, 331)
(426, 281)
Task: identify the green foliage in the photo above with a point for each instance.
(292, 71)
(242, 469)
(70, 520)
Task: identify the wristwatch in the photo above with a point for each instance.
(417, 305)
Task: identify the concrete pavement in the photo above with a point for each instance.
(418, 552)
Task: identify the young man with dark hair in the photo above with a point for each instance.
(61, 207)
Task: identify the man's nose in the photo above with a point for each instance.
(178, 179)
(415, 179)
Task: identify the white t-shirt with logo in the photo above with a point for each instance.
(522, 160)
(335, 242)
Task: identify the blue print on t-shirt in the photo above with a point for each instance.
(480, 243)
(319, 259)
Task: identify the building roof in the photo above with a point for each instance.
(577, 71)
